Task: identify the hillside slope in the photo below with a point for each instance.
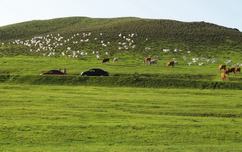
(150, 33)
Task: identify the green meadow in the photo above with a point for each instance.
(77, 118)
(127, 64)
(139, 107)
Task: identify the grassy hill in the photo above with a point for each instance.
(139, 107)
(149, 33)
(129, 39)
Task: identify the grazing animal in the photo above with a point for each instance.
(106, 60)
(147, 60)
(153, 61)
(234, 70)
(55, 72)
(227, 71)
(171, 63)
(98, 57)
(115, 59)
(237, 69)
(222, 67)
(224, 76)
(95, 72)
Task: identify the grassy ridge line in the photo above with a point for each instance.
(128, 81)
(161, 33)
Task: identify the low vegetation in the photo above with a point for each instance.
(144, 36)
(142, 106)
(64, 118)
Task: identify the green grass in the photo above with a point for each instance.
(130, 71)
(32, 65)
(74, 113)
(194, 36)
(62, 118)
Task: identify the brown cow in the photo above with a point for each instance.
(55, 72)
(222, 67)
(171, 63)
(237, 69)
(147, 60)
(224, 76)
(233, 70)
(227, 71)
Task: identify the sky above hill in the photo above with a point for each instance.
(223, 12)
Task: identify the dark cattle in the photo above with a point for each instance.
(222, 67)
(95, 72)
(106, 60)
(227, 71)
(171, 63)
(233, 70)
(55, 72)
(237, 69)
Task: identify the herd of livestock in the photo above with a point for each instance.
(83, 45)
(74, 46)
(224, 70)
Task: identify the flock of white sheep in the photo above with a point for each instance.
(71, 46)
(57, 45)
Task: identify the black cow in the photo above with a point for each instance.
(95, 72)
(106, 60)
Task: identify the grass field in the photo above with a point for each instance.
(76, 118)
(139, 107)
(77, 114)
(32, 65)
(62, 118)
(129, 71)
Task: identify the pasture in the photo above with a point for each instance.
(127, 64)
(139, 107)
(78, 118)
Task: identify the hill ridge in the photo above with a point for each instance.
(154, 33)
